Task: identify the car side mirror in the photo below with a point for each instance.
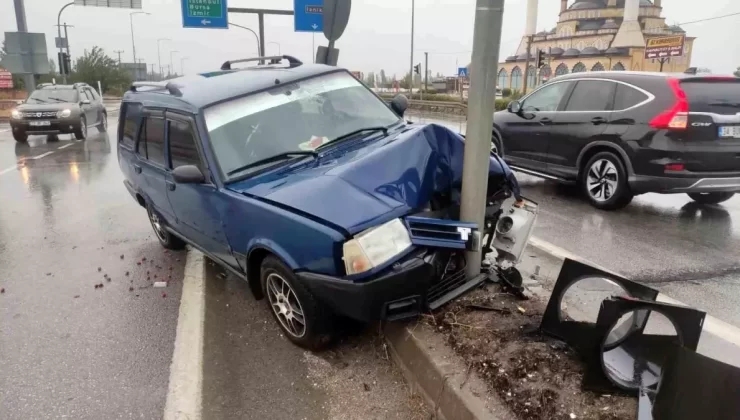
(515, 107)
(19, 102)
(188, 174)
(399, 104)
(85, 102)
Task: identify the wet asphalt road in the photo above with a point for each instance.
(686, 250)
(67, 349)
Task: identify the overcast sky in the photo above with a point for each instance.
(377, 36)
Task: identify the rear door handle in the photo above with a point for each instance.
(598, 120)
(545, 121)
(171, 186)
(137, 169)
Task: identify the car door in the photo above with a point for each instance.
(584, 119)
(96, 102)
(526, 132)
(87, 107)
(151, 163)
(197, 207)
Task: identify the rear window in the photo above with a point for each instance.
(716, 96)
(131, 116)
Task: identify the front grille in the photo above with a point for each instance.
(41, 114)
(451, 287)
(427, 231)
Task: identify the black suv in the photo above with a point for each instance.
(619, 134)
(58, 109)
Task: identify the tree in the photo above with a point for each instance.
(406, 82)
(370, 80)
(96, 66)
(737, 72)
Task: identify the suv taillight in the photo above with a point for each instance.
(677, 116)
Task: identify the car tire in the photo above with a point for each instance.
(496, 145)
(81, 130)
(287, 298)
(103, 126)
(604, 182)
(166, 239)
(52, 138)
(20, 137)
(711, 197)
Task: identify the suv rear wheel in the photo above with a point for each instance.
(304, 320)
(81, 130)
(604, 181)
(20, 137)
(711, 198)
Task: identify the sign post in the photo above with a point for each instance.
(663, 48)
(208, 14)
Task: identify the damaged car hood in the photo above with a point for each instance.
(359, 185)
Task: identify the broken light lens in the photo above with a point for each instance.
(375, 246)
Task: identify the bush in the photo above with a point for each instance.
(515, 95)
(502, 104)
(505, 92)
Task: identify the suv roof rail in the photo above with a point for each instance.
(172, 88)
(42, 85)
(292, 61)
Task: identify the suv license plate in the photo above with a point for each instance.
(39, 123)
(730, 131)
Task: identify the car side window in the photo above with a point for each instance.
(627, 97)
(92, 94)
(547, 98)
(591, 95)
(152, 140)
(83, 95)
(183, 150)
(131, 113)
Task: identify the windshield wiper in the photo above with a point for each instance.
(58, 99)
(276, 158)
(39, 100)
(352, 134)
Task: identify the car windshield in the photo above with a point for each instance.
(294, 117)
(42, 96)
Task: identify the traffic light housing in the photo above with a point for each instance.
(65, 66)
(541, 59)
(417, 69)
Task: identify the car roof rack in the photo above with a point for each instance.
(170, 87)
(292, 61)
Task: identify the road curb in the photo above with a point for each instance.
(185, 390)
(438, 375)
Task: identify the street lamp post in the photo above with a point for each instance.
(182, 65)
(259, 50)
(159, 56)
(278, 45)
(411, 66)
(172, 66)
(59, 34)
(131, 20)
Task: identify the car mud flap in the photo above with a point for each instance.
(580, 334)
(693, 387)
(629, 357)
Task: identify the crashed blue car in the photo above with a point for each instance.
(298, 179)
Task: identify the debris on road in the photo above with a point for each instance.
(130, 289)
(76, 296)
(2, 290)
(164, 295)
(121, 256)
(160, 284)
(100, 269)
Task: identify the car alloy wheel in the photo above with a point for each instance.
(83, 128)
(285, 304)
(157, 226)
(602, 180)
(105, 122)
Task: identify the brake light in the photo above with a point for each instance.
(675, 167)
(677, 116)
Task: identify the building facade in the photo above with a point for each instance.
(592, 35)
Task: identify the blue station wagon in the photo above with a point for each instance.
(301, 181)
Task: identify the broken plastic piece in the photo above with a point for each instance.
(160, 284)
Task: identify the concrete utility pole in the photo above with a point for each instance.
(20, 20)
(526, 64)
(172, 65)
(426, 70)
(159, 55)
(119, 52)
(411, 61)
(133, 42)
(483, 72)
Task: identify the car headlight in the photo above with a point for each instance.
(375, 246)
(15, 114)
(64, 113)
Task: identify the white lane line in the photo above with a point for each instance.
(184, 394)
(721, 329)
(65, 146)
(6, 130)
(7, 170)
(43, 155)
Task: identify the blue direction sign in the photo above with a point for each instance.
(309, 15)
(210, 14)
(462, 72)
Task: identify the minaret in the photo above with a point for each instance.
(630, 33)
(531, 27)
(611, 3)
(657, 3)
(563, 5)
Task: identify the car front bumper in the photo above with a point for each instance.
(684, 184)
(56, 126)
(406, 289)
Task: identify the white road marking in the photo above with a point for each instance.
(184, 394)
(7, 170)
(721, 329)
(65, 146)
(43, 155)
(5, 130)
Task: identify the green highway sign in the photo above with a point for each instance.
(204, 14)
